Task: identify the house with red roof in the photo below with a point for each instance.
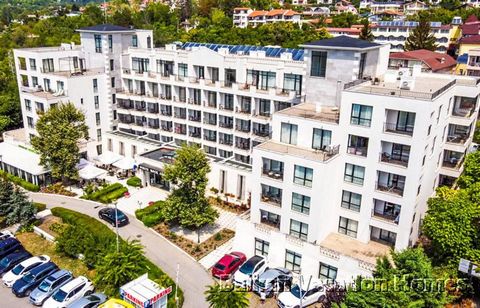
(255, 18)
(429, 60)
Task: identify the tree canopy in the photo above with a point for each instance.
(421, 37)
(219, 297)
(15, 207)
(366, 32)
(60, 130)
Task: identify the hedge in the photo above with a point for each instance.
(134, 181)
(114, 195)
(40, 206)
(20, 182)
(107, 194)
(151, 215)
(98, 230)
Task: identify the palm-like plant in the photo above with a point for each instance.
(219, 297)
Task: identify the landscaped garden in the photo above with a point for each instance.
(106, 193)
(19, 181)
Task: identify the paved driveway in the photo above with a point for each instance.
(9, 300)
(193, 278)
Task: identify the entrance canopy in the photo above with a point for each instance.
(90, 172)
(108, 158)
(125, 163)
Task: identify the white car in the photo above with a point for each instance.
(5, 234)
(249, 271)
(67, 294)
(310, 294)
(21, 269)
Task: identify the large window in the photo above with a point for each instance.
(33, 64)
(48, 65)
(134, 41)
(98, 43)
(321, 138)
(298, 229)
(351, 200)
(110, 43)
(140, 65)
(300, 203)
(289, 133)
(361, 115)
(230, 77)
(327, 272)
(319, 63)
(293, 260)
(303, 176)
(261, 79)
(182, 70)
(292, 82)
(354, 174)
(361, 64)
(348, 227)
(261, 247)
(95, 85)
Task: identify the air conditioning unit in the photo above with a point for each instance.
(407, 83)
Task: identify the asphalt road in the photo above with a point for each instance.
(9, 300)
(193, 278)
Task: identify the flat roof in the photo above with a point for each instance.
(21, 158)
(342, 42)
(106, 28)
(309, 111)
(366, 252)
(292, 150)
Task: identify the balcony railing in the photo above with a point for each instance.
(140, 108)
(463, 112)
(270, 223)
(226, 125)
(394, 189)
(226, 107)
(194, 118)
(226, 141)
(166, 113)
(242, 129)
(386, 216)
(195, 134)
(152, 110)
(457, 139)
(274, 174)
(180, 115)
(209, 122)
(361, 151)
(210, 138)
(181, 131)
(153, 125)
(243, 145)
(272, 199)
(166, 128)
(394, 128)
(393, 159)
(261, 132)
(453, 163)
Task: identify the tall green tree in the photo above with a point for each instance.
(219, 297)
(60, 130)
(15, 206)
(366, 32)
(187, 204)
(421, 37)
(117, 268)
(471, 171)
(344, 20)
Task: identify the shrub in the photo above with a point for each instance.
(107, 194)
(58, 189)
(114, 195)
(40, 206)
(20, 182)
(218, 236)
(151, 215)
(134, 181)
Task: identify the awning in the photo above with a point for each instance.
(108, 158)
(21, 158)
(150, 168)
(83, 163)
(125, 163)
(90, 172)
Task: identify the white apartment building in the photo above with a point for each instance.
(256, 18)
(240, 16)
(397, 32)
(341, 181)
(85, 75)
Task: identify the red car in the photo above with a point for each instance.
(228, 264)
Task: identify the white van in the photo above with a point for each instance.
(70, 292)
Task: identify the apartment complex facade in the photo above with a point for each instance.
(244, 17)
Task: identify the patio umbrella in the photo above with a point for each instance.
(82, 163)
(90, 172)
(125, 163)
(108, 158)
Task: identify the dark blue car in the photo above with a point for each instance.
(8, 246)
(9, 261)
(23, 286)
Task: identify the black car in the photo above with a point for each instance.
(108, 214)
(9, 261)
(23, 286)
(8, 246)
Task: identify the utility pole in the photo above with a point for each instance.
(176, 284)
(116, 224)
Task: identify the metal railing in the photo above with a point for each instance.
(360, 151)
(394, 128)
(393, 159)
(272, 199)
(394, 189)
(457, 139)
(274, 174)
(386, 216)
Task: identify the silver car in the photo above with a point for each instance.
(48, 286)
(89, 301)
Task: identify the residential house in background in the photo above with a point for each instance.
(429, 61)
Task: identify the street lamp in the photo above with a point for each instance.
(116, 223)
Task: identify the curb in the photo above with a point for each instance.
(172, 244)
(62, 196)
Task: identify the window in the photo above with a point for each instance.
(261, 79)
(303, 176)
(361, 115)
(30, 122)
(134, 41)
(361, 65)
(289, 133)
(99, 135)
(321, 138)
(292, 82)
(112, 82)
(46, 85)
(230, 77)
(48, 65)
(182, 70)
(34, 81)
(22, 63)
(97, 118)
(319, 63)
(110, 44)
(28, 105)
(39, 107)
(327, 272)
(96, 101)
(112, 65)
(99, 149)
(98, 43)
(140, 65)
(261, 247)
(351, 200)
(293, 260)
(298, 229)
(33, 64)
(300, 203)
(149, 42)
(95, 85)
(348, 227)
(354, 174)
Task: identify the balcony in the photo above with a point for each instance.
(243, 145)
(152, 110)
(396, 129)
(125, 105)
(394, 159)
(226, 141)
(166, 128)
(210, 104)
(274, 174)
(464, 107)
(383, 236)
(228, 107)
(270, 220)
(194, 102)
(195, 134)
(182, 116)
(209, 121)
(165, 112)
(261, 132)
(360, 151)
(244, 110)
(180, 130)
(212, 138)
(396, 189)
(386, 211)
(194, 118)
(241, 128)
(153, 125)
(457, 138)
(453, 163)
(226, 125)
(139, 107)
(274, 199)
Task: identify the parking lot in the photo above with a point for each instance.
(8, 300)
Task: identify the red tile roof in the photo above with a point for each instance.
(257, 13)
(474, 39)
(471, 18)
(345, 30)
(470, 29)
(241, 8)
(434, 60)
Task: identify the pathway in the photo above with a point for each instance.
(192, 277)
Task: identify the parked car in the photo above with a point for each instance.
(271, 279)
(23, 286)
(310, 294)
(5, 234)
(9, 245)
(90, 301)
(9, 261)
(228, 264)
(49, 285)
(108, 214)
(69, 292)
(22, 268)
(249, 271)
